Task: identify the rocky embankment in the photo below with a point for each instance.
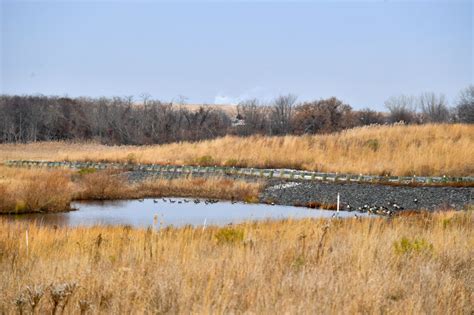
(380, 199)
(363, 197)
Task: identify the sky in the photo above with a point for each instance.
(362, 52)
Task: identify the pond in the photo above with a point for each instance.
(172, 211)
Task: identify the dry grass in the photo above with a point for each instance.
(38, 190)
(103, 186)
(43, 190)
(408, 265)
(395, 150)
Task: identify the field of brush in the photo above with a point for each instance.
(433, 149)
(404, 265)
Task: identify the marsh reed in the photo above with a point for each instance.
(405, 265)
(51, 190)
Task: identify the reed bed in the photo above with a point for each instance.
(404, 265)
(433, 149)
(51, 190)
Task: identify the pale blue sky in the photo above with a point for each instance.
(360, 51)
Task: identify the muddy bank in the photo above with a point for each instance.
(357, 196)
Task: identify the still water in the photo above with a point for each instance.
(177, 212)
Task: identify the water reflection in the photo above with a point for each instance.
(144, 213)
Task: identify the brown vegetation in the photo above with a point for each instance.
(434, 149)
(40, 190)
(405, 265)
(34, 190)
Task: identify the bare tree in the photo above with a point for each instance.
(402, 108)
(367, 116)
(465, 105)
(433, 107)
(255, 116)
(282, 111)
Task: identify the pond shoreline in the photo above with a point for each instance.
(376, 198)
(372, 198)
(163, 212)
(380, 197)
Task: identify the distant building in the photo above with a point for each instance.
(238, 121)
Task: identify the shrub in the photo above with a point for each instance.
(229, 235)
(373, 144)
(251, 199)
(20, 207)
(87, 170)
(407, 246)
(131, 158)
(205, 160)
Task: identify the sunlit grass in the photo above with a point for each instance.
(433, 149)
(50, 190)
(403, 265)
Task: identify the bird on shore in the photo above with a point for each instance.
(172, 201)
(155, 201)
(164, 199)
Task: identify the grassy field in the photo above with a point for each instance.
(49, 190)
(396, 150)
(405, 265)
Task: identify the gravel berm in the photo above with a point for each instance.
(363, 196)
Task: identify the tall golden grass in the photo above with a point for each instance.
(435, 149)
(408, 265)
(50, 190)
(38, 190)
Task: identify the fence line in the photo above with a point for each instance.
(255, 172)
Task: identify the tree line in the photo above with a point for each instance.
(119, 120)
